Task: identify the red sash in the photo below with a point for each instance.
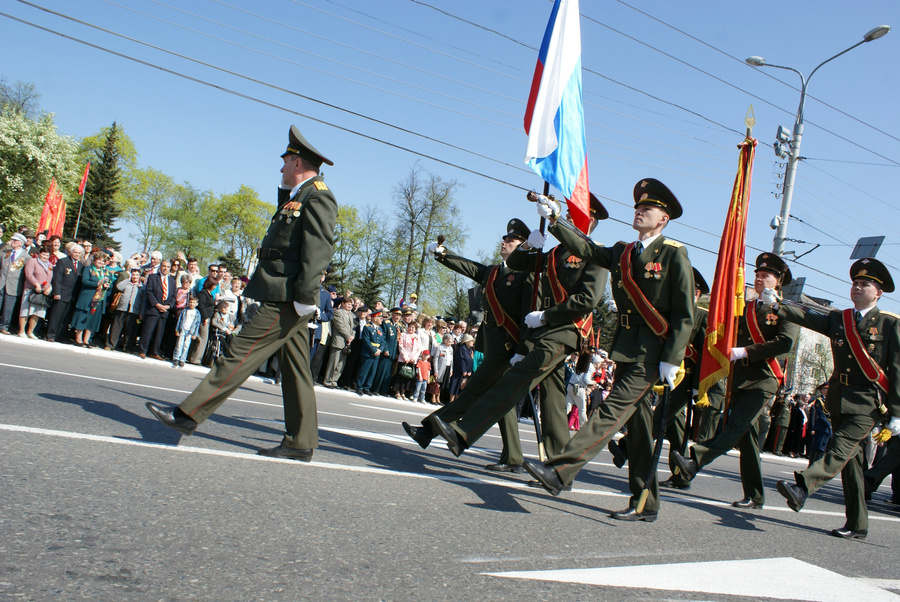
(503, 319)
(870, 367)
(690, 354)
(585, 325)
(653, 318)
(757, 336)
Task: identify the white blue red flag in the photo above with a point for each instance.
(554, 118)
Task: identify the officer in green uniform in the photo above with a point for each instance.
(371, 350)
(763, 340)
(507, 293)
(683, 393)
(781, 423)
(294, 253)
(382, 383)
(570, 289)
(654, 292)
(863, 392)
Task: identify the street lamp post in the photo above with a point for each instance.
(794, 143)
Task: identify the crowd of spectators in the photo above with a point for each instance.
(146, 305)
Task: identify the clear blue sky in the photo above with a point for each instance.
(666, 92)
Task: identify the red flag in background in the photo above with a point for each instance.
(726, 301)
(87, 168)
(53, 215)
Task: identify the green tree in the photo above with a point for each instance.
(348, 233)
(190, 225)
(459, 300)
(232, 263)
(369, 286)
(244, 218)
(93, 219)
(146, 194)
(32, 152)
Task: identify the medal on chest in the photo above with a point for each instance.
(653, 270)
(290, 211)
(510, 279)
(576, 263)
(771, 319)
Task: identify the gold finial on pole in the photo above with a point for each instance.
(750, 121)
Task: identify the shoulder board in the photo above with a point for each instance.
(672, 243)
(320, 186)
(622, 242)
(889, 313)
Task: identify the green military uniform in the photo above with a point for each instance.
(753, 385)
(683, 394)
(781, 423)
(545, 348)
(668, 286)
(853, 401)
(382, 383)
(371, 344)
(294, 253)
(513, 294)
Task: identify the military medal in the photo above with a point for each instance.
(288, 220)
(871, 347)
(652, 270)
(771, 319)
(873, 331)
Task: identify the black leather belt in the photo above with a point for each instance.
(631, 320)
(278, 254)
(845, 379)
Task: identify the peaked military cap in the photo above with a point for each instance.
(769, 262)
(375, 313)
(872, 269)
(699, 282)
(396, 310)
(297, 145)
(654, 192)
(517, 229)
(598, 211)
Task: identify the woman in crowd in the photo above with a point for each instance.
(409, 350)
(91, 303)
(206, 306)
(56, 250)
(36, 295)
(442, 361)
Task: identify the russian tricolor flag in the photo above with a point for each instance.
(554, 118)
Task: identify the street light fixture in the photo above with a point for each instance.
(794, 144)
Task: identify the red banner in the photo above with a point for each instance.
(726, 301)
(87, 168)
(53, 215)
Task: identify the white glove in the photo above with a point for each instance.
(435, 248)
(894, 426)
(769, 297)
(312, 325)
(667, 373)
(534, 319)
(536, 239)
(516, 359)
(304, 310)
(737, 353)
(548, 208)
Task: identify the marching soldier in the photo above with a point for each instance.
(764, 340)
(570, 289)
(507, 293)
(682, 395)
(863, 392)
(295, 252)
(371, 350)
(652, 284)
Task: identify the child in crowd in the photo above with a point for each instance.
(423, 371)
(186, 331)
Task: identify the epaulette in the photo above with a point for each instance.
(889, 313)
(320, 185)
(672, 243)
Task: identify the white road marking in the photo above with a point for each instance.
(785, 579)
(695, 502)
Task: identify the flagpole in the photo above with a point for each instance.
(78, 219)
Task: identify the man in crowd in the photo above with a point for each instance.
(12, 278)
(160, 298)
(371, 350)
(392, 329)
(129, 309)
(342, 334)
(66, 278)
(295, 251)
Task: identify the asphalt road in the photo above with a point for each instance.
(99, 500)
